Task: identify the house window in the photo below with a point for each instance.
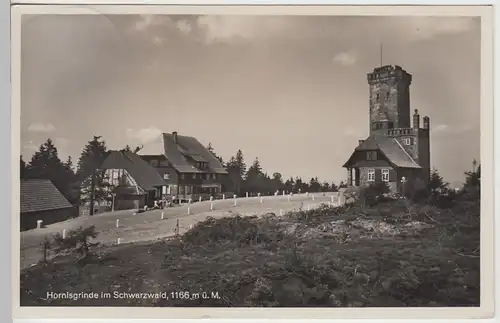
(182, 176)
(115, 175)
(407, 141)
(371, 155)
(207, 177)
(166, 176)
(153, 162)
(371, 175)
(214, 176)
(385, 175)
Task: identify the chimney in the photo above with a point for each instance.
(426, 123)
(416, 120)
(174, 136)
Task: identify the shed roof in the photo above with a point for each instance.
(41, 195)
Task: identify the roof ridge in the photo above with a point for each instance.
(401, 146)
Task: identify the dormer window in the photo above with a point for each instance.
(371, 155)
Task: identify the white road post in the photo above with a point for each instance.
(113, 203)
(162, 215)
(189, 210)
(64, 234)
(211, 206)
(199, 200)
(117, 223)
(119, 240)
(247, 194)
(39, 224)
(313, 197)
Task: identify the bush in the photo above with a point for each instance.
(77, 242)
(370, 195)
(243, 230)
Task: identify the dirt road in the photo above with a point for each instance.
(149, 225)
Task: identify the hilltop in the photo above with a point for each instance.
(391, 254)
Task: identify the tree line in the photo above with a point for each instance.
(68, 179)
(76, 183)
(253, 179)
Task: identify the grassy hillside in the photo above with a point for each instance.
(391, 254)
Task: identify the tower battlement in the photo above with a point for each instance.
(389, 72)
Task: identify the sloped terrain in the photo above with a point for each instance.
(392, 254)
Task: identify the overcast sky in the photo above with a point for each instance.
(290, 90)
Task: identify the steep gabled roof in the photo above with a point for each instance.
(179, 153)
(144, 174)
(390, 148)
(41, 195)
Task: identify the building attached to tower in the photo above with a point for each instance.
(395, 148)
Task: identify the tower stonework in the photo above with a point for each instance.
(397, 151)
(389, 99)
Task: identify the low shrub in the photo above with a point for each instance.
(78, 242)
(369, 196)
(243, 230)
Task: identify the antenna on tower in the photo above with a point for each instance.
(381, 54)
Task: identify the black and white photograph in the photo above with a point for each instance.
(250, 160)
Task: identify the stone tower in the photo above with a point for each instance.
(389, 99)
(390, 114)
